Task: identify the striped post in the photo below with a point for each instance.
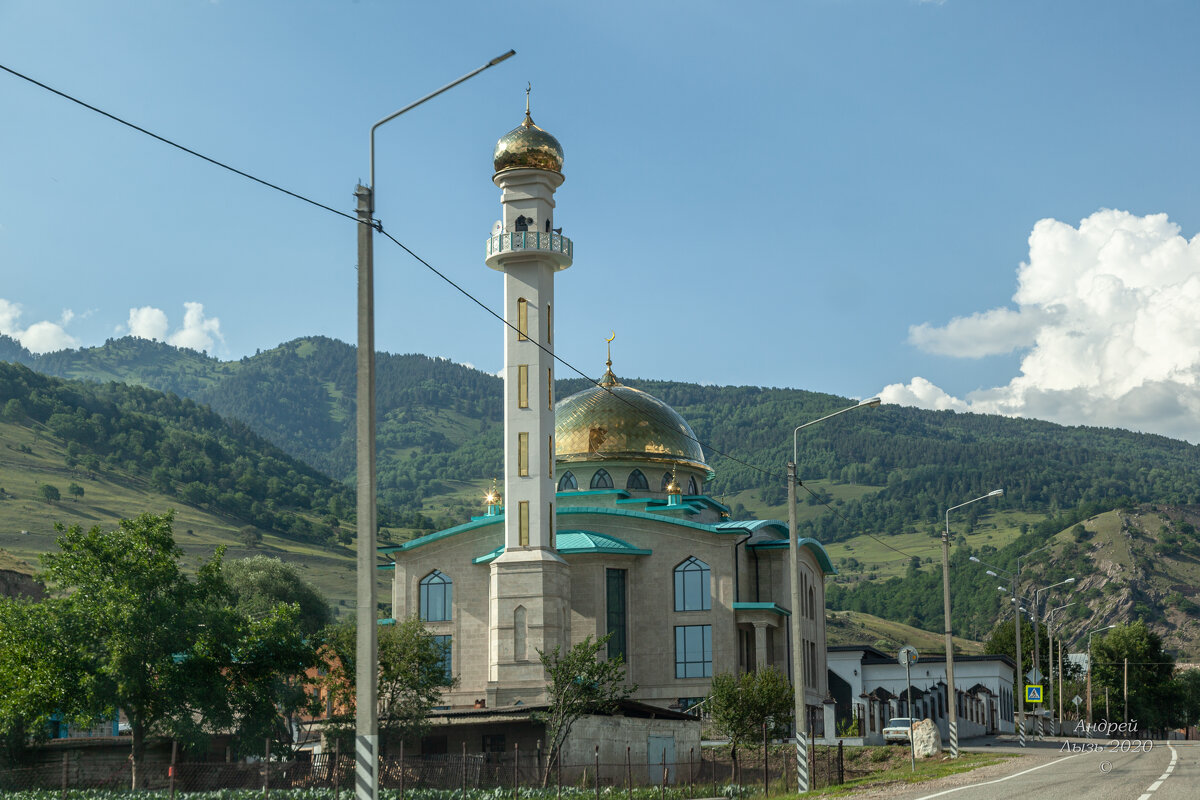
(1021, 731)
(366, 772)
(954, 738)
(1040, 729)
(802, 784)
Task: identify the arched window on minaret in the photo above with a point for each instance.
(547, 224)
(522, 223)
(567, 482)
(602, 480)
(692, 486)
(637, 481)
(519, 633)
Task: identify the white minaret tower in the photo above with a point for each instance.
(529, 593)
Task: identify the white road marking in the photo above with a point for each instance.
(1164, 776)
(999, 780)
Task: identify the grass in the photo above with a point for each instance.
(27, 521)
(928, 769)
(854, 627)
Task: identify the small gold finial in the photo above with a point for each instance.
(528, 123)
(673, 487)
(493, 496)
(608, 378)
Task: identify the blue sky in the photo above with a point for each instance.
(836, 196)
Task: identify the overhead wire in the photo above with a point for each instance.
(379, 227)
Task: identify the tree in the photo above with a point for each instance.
(740, 706)
(259, 583)
(1151, 696)
(75, 490)
(412, 674)
(250, 536)
(49, 493)
(136, 633)
(579, 684)
(1003, 642)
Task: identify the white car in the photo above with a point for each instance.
(898, 729)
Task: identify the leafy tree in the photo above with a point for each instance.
(75, 490)
(1187, 691)
(1151, 692)
(412, 675)
(1003, 641)
(259, 583)
(740, 706)
(250, 536)
(136, 633)
(579, 684)
(49, 493)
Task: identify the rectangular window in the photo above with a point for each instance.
(617, 627)
(523, 523)
(444, 643)
(523, 455)
(550, 456)
(549, 388)
(523, 386)
(549, 326)
(493, 743)
(553, 541)
(693, 651)
(522, 319)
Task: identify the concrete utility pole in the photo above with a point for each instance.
(366, 712)
(952, 695)
(799, 687)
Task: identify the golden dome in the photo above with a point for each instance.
(619, 423)
(528, 147)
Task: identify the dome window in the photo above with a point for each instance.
(637, 481)
(666, 481)
(567, 482)
(692, 486)
(602, 480)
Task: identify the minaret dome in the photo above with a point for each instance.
(528, 147)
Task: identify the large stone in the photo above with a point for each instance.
(927, 739)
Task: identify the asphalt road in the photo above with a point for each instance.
(1168, 771)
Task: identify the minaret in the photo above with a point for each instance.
(529, 593)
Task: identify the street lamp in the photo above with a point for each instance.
(366, 717)
(1050, 630)
(1089, 674)
(798, 681)
(952, 697)
(1037, 638)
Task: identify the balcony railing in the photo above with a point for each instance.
(531, 240)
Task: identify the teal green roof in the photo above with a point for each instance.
(572, 542)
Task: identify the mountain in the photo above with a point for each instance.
(886, 471)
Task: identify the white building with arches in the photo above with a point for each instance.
(604, 526)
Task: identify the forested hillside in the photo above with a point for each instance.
(440, 438)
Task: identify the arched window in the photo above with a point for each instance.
(637, 481)
(522, 223)
(666, 481)
(692, 486)
(692, 586)
(812, 606)
(602, 480)
(567, 482)
(437, 592)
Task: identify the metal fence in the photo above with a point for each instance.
(704, 771)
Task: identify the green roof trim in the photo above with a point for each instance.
(386, 566)
(574, 542)
(772, 607)
(433, 537)
(586, 492)
(812, 544)
(387, 621)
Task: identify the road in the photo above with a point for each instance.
(1169, 771)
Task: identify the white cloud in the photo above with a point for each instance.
(198, 332)
(1109, 314)
(148, 322)
(40, 337)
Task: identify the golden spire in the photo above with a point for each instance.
(608, 378)
(673, 487)
(493, 496)
(528, 123)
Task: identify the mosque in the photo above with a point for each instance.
(604, 526)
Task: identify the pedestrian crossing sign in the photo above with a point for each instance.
(1033, 693)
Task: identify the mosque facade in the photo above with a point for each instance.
(604, 526)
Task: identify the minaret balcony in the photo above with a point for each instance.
(560, 249)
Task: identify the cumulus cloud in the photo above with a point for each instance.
(148, 322)
(197, 332)
(1108, 314)
(40, 337)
